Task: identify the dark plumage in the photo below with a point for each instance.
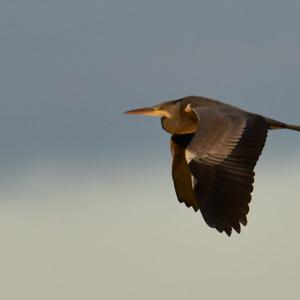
(215, 148)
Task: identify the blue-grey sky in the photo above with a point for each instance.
(69, 68)
(87, 205)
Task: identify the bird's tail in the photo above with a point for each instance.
(273, 124)
(293, 127)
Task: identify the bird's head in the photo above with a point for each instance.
(176, 116)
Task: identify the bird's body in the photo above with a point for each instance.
(215, 147)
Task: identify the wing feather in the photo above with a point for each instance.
(183, 180)
(218, 133)
(223, 177)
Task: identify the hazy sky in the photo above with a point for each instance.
(87, 207)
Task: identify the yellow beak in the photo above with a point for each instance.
(146, 111)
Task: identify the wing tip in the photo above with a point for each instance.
(228, 229)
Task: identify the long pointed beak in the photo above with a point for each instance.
(146, 111)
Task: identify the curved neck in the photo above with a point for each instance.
(180, 123)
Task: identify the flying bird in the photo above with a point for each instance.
(215, 147)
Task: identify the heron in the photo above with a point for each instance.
(215, 148)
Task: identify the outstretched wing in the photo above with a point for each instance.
(181, 173)
(221, 157)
